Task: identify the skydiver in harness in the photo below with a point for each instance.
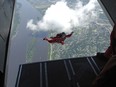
(59, 38)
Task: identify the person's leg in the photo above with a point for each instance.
(107, 77)
(50, 41)
(108, 52)
(62, 42)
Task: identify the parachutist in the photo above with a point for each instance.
(59, 38)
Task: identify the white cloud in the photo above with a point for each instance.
(60, 17)
(31, 26)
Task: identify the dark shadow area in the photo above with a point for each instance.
(1, 79)
(74, 72)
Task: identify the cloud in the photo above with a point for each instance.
(59, 17)
(31, 26)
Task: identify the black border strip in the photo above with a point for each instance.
(41, 75)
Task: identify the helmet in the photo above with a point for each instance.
(63, 32)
